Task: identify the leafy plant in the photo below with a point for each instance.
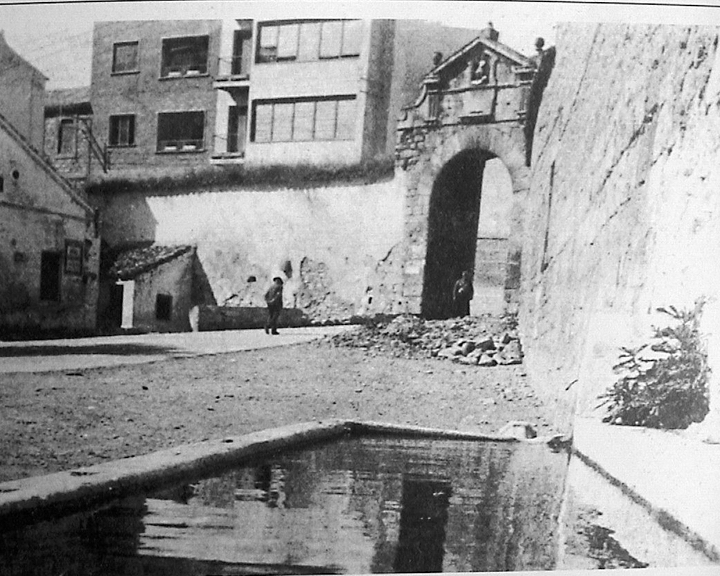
(663, 383)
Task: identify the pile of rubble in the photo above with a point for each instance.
(482, 341)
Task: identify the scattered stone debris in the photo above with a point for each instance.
(477, 341)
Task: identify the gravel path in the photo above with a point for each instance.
(61, 420)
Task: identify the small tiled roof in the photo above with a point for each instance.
(68, 101)
(131, 263)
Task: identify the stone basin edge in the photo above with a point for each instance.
(38, 497)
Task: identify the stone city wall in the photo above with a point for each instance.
(623, 212)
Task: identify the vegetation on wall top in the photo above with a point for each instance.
(663, 383)
(174, 180)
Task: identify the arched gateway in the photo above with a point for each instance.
(463, 120)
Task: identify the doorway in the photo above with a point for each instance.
(452, 230)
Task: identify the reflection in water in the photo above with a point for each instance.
(351, 506)
(423, 517)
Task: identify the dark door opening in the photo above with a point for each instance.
(50, 276)
(115, 306)
(237, 126)
(242, 48)
(452, 230)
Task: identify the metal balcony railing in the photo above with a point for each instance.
(234, 67)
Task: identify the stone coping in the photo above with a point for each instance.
(37, 497)
(676, 478)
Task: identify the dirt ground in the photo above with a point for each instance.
(62, 420)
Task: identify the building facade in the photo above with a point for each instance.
(22, 94)
(151, 91)
(69, 141)
(180, 94)
(49, 251)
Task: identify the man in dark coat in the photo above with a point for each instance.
(462, 294)
(274, 300)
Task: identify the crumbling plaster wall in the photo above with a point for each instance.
(623, 213)
(338, 247)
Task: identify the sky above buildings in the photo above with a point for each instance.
(57, 37)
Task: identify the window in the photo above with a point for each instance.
(2, 184)
(242, 48)
(163, 307)
(309, 40)
(304, 119)
(330, 39)
(184, 56)
(181, 131)
(50, 276)
(125, 57)
(122, 130)
(66, 137)
(287, 45)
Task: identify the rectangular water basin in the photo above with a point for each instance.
(368, 504)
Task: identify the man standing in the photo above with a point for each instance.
(274, 300)
(462, 294)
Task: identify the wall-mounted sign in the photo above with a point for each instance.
(73, 257)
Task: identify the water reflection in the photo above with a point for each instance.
(423, 517)
(353, 506)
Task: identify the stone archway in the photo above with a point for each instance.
(453, 217)
(430, 167)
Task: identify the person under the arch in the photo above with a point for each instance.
(462, 294)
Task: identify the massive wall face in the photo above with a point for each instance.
(624, 205)
(339, 247)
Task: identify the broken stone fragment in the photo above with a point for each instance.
(510, 354)
(487, 360)
(507, 337)
(467, 347)
(486, 343)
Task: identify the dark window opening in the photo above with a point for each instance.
(163, 307)
(50, 276)
(180, 131)
(122, 130)
(2, 184)
(241, 53)
(66, 137)
(311, 40)
(125, 57)
(237, 128)
(304, 120)
(184, 56)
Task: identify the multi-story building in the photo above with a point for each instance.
(184, 93)
(49, 249)
(151, 91)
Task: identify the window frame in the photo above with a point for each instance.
(342, 53)
(268, 111)
(131, 131)
(113, 68)
(185, 148)
(72, 143)
(166, 71)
